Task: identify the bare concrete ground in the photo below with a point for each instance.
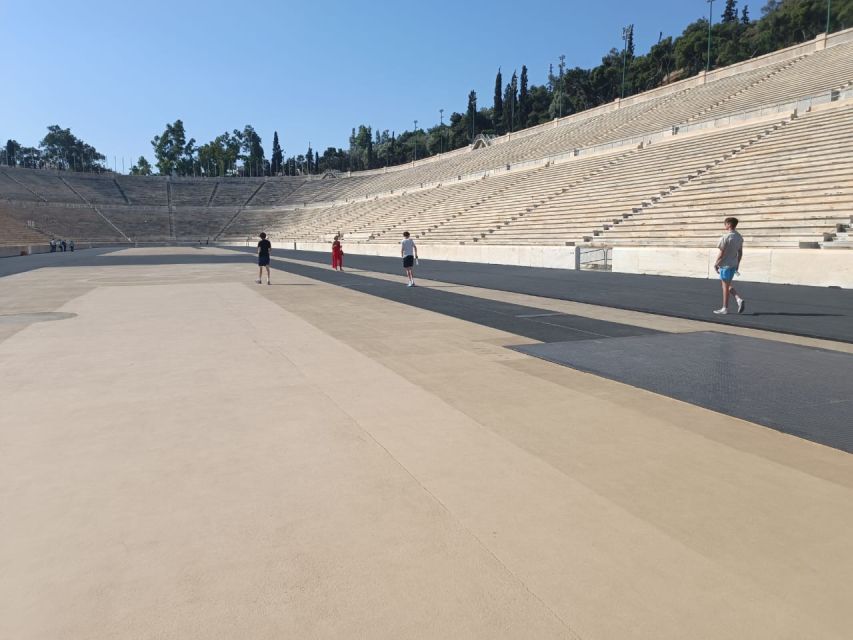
(194, 455)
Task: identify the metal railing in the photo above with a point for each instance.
(594, 258)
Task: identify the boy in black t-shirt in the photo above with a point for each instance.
(264, 247)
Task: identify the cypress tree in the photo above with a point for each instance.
(275, 166)
(511, 103)
(369, 151)
(744, 17)
(523, 100)
(730, 12)
(472, 113)
(498, 111)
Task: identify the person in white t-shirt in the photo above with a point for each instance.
(409, 252)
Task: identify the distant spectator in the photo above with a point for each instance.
(71, 245)
(409, 252)
(64, 246)
(52, 245)
(264, 247)
(337, 254)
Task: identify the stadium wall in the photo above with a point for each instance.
(524, 256)
(812, 267)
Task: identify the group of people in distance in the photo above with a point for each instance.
(730, 253)
(408, 251)
(61, 245)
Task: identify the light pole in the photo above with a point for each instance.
(626, 32)
(415, 138)
(710, 20)
(441, 131)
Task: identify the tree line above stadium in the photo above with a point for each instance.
(516, 104)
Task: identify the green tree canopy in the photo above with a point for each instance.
(174, 154)
(141, 168)
(61, 149)
(11, 152)
(219, 156)
(253, 152)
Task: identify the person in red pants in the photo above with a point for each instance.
(337, 254)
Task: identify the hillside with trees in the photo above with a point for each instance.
(515, 105)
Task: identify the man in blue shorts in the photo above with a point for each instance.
(264, 247)
(727, 263)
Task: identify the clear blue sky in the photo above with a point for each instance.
(115, 72)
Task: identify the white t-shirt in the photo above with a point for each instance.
(408, 246)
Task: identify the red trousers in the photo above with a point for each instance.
(337, 259)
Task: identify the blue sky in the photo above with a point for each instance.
(116, 72)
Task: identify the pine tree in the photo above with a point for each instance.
(730, 12)
(277, 156)
(744, 17)
(498, 111)
(523, 100)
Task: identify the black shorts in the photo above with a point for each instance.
(408, 262)
(263, 261)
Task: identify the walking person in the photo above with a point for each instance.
(337, 254)
(727, 264)
(71, 245)
(409, 252)
(264, 247)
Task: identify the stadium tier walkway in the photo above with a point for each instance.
(184, 453)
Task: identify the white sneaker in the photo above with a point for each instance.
(741, 305)
(721, 312)
(411, 284)
(257, 282)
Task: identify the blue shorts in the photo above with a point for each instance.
(727, 274)
(263, 261)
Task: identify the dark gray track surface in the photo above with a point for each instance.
(817, 312)
(798, 390)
